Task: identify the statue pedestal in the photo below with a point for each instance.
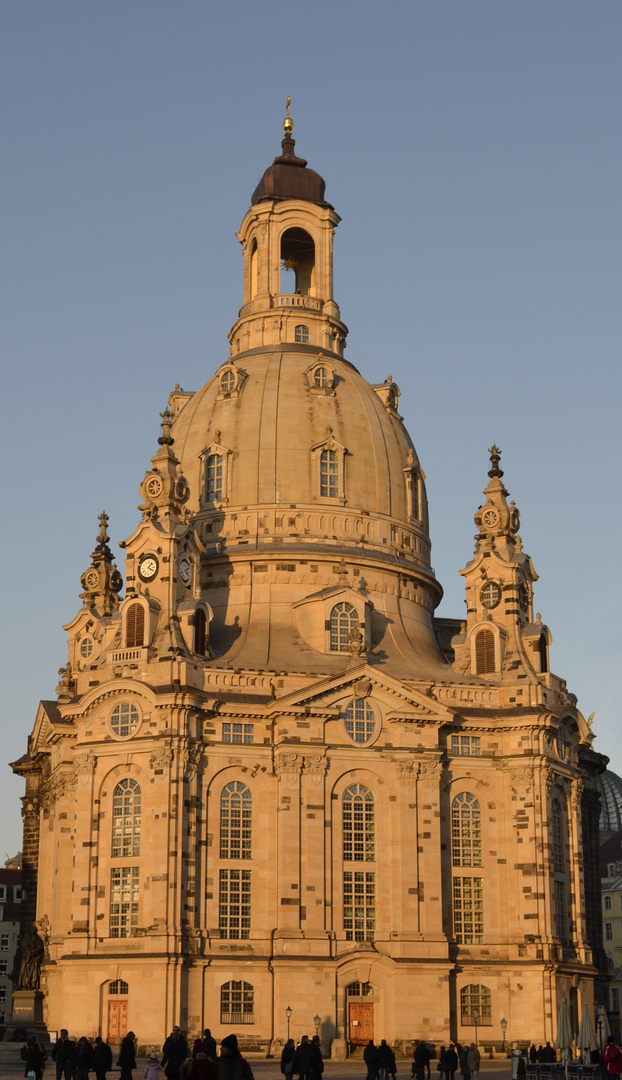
(28, 1014)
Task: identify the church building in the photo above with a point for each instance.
(273, 790)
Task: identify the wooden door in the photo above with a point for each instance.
(361, 1022)
(117, 1020)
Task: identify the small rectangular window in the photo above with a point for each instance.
(4, 967)
(3, 994)
(465, 745)
(607, 903)
(237, 733)
(17, 893)
(615, 999)
(2, 893)
(4, 942)
(608, 931)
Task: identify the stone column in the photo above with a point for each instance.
(288, 768)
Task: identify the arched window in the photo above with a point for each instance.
(118, 988)
(322, 378)
(227, 381)
(557, 836)
(360, 720)
(297, 257)
(475, 1006)
(214, 478)
(126, 819)
(236, 808)
(344, 620)
(135, 626)
(544, 653)
(237, 1002)
(200, 632)
(124, 719)
(253, 269)
(329, 475)
(358, 824)
(466, 832)
(301, 334)
(484, 652)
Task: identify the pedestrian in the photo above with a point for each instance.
(231, 1064)
(152, 1068)
(63, 1054)
(84, 1058)
(102, 1058)
(533, 1054)
(463, 1061)
(386, 1060)
(174, 1053)
(441, 1063)
(127, 1056)
(548, 1054)
(199, 1066)
(305, 1060)
(612, 1057)
(473, 1061)
(451, 1062)
(421, 1060)
(287, 1059)
(370, 1057)
(34, 1058)
(210, 1045)
(318, 1060)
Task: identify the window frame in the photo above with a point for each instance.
(369, 718)
(247, 998)
(132, 728)
(131, 849)
(125, 885)
(236, 821)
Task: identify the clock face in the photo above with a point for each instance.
(490, 517)
(184, 570)
(148, 567)
(92, 579)
(154, 486)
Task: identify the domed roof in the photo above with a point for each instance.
(289, 178)
(610, 787)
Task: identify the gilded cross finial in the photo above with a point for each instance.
(288, 123)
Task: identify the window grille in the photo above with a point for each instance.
(227, 382)
(301, 334)
(236, 810)
(466, 832)
(344, 620)
(214, 478)
(329, 475)
(126, 820)
(237, 733)
(237, 1000)
(475, 1003)
(235, 904)
(359, 905)
(124, 896)
(468, 910)
(118, 988)
(125, 719)
(322, 378)
(360, 720)
(358, 824)
(465, 745)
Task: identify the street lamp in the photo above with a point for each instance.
(475, 1016)
(504, 1027)
(317, 1020)
(288, 1013)
(600, 1024)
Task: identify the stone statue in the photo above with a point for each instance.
(32, 949)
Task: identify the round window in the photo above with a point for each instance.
(125, 719)
(86, 647)
(227, 382)
(490, 595)
(360, 720)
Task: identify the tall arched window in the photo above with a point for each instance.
(557, 842)
(200, 632)
(236, 809)
(358, 824)
(135, 626)
(253, 274)
(475, 1006)
(126, 809)
(329, 475)
(466, 832)
(484, 652)
(544, 653)
(237, 1000)
(344, 620)
(559, 861)
(214, 478)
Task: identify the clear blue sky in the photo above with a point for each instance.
(473, 151)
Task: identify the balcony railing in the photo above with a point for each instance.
(308, 303)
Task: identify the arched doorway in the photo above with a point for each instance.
(117, 1009)
(360, 998)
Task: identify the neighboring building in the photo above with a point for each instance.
(10, 915)
(264, 783)
(610, 786)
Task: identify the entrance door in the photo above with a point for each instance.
(117, 1020)
(361, 1022)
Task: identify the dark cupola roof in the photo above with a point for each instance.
(288, 177)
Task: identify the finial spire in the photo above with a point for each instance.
(288, 123)
(167, 420)
(495, 457)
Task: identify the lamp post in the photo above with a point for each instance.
(504, 1027)
(475, 1015)
(288, 1013)
(317, 1020)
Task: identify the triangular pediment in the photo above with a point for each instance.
(402, 703)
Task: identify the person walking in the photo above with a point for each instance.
(63, 1055)
(370, 1057)
(612, 1057)
(84, 1058)
(386, 1060)
(287, 1059)
(463, 1062)
(451, 1062)
(102, 1058)
(34, 1058)
(421, 1061)
(473, 1061)
(304, 1063)
(127, 1056)
(174, 1053)
(231, 1064)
